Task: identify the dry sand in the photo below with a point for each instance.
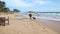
(24, 26)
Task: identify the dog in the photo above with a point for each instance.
(34, 18)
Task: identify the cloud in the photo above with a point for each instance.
(17, 3)
(40, 2)
(21, 3)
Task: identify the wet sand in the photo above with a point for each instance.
(20, 25)
(53, 24)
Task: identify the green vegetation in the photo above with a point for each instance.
(30, 12)
(5, 9)
(16, 10)
(2, 4)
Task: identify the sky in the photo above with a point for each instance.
(34, 5)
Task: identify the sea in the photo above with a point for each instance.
(43, 15)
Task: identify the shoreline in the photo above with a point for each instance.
(53, 24)
(48, 18)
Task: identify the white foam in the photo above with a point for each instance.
(48, 18)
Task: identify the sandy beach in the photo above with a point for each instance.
(20, 25)
(53, 24)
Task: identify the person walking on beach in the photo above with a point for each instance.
(30, 15)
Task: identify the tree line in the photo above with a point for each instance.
(4, 9)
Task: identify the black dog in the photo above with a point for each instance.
(34, 18)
